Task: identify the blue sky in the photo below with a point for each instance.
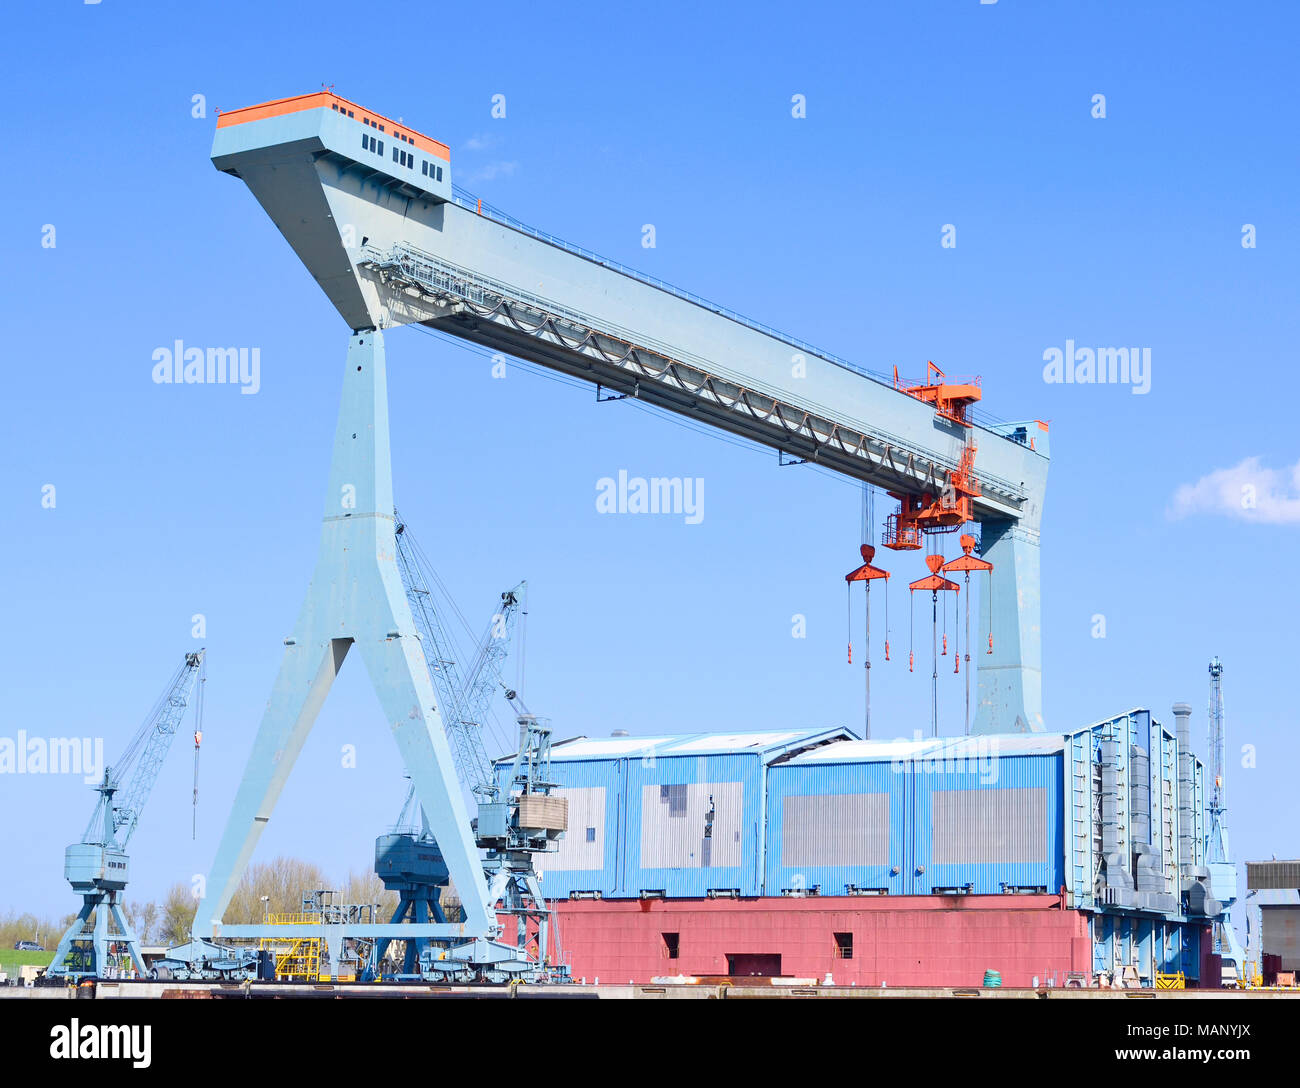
(176, 500)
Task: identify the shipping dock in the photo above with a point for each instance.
(993, 851)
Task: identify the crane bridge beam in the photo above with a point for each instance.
(544, 331)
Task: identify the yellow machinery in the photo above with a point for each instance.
(1176, 981)
(299, 959)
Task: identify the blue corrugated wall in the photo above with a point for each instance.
(913, 866)
(735, 826)
(784, 872)
(697, 854)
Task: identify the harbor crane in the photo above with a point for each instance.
(98, 867)
(407, 858)
(1218, 858)
(368, 204)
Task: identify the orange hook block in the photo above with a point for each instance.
(990, 649)
(966, 561)
(886, 649)
(866, 572)
(911, 660)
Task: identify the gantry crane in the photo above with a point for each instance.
(368, 204)
(98, 867)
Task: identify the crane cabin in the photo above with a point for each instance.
(365, 145)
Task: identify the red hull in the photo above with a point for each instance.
(912, 941)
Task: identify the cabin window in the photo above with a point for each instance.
(334, 106)
(381, 128)
(424, 167)
(381, 147)
(351, 114)
(394, 154)
(440, 173)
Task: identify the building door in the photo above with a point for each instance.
(754, 964)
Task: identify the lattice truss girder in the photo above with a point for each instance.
(659, 375)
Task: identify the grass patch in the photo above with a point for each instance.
(10, 960)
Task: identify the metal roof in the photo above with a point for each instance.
(766, 744)
(940, 748)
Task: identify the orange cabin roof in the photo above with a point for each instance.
(325, 100)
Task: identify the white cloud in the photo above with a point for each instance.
(491, 171)
(481, 141)
(1246, 491)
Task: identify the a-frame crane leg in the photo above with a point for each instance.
(1011, 677)
(128, 936)
(76, 932)
(355, 596)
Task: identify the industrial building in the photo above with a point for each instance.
(1273, 919)
(1056, 858)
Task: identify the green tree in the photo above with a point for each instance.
(143, 918)
(178, 907)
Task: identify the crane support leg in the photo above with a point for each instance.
(1011, 677)
(128, 937)
(355, 596)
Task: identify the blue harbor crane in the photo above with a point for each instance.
(98, 867)
(466, 701)
(1218, 859)
(407, 858)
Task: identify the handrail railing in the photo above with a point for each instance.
(465, 199)
(432, 272)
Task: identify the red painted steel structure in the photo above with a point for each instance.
(912, 941)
